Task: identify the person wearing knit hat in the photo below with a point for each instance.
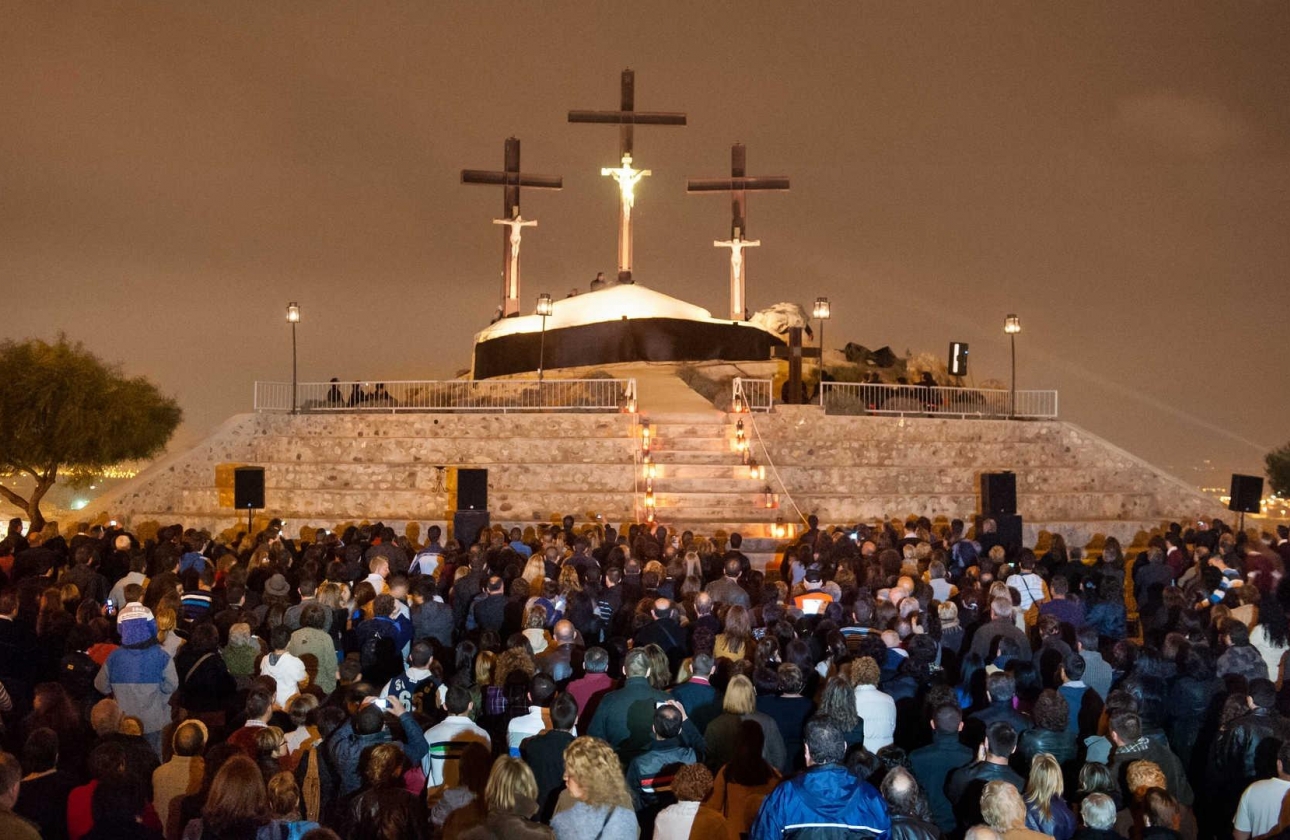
(140, 675)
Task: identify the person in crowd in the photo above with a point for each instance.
(826, 795)
(1003, 810)
(876, 709)
(140, 674)
(384, 807)
(180, 776)
(1050, 733)
(742, 783)
(740, 705)
(907, 806)
(702, 702)
(447, 740)
(650, 774)
(1098, 813)
(42, 798)
(544, 753)
(285, 809)
(964, 785)
(625, 718)
(1046, 811)
(598, 802)
(511, 799)
(932, 764)
(687, 817)
(237, 806)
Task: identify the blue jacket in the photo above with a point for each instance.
(346, 748)
(824, 803)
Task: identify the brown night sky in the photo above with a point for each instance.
(1118, 174)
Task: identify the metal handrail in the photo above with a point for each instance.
(753, 394)
(882, 398)
(503, 395)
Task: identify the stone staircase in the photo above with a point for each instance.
(702, 484)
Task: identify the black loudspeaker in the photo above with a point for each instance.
(472, 489)
(998, 493)
(1247, 493)
(248, 488)
(466, 525)
(958, 358)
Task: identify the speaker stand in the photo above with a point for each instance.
(249, 513)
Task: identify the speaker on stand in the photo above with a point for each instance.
(1246, 496)
(248, 491)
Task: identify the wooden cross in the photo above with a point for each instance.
(626, 118)
(794, 353)
(738, 185)
(511, 179)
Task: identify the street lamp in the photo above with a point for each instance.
(1012, 326)
(544, 309)
(822, 312)
(293, 318)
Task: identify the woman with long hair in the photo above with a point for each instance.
(746, 779)
(602, 807)
(739, 705)
(1271, 636)
(384, 809)
(734, 641)
(237, 807)
(284, 807)
(838, 705)
(511, 798)
(1046, 811)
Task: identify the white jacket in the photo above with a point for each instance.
(879, 713)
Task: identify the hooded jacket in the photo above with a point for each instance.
(824, 803)
(139, 673)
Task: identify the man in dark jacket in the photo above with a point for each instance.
(702, 702)
(665, 632)
(933, 763)
(1001, 625)
(489, 612)
(367, 729)
(431, 619)
(377, 640)
(1000, 688)
(826, 800)
(544, 753)
(649, 776)
(964, 786)
(1239, 754)
(1131, 745)
(900, 791)
(625, 718)
(562, 661)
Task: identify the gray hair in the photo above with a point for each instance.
(1098, 811)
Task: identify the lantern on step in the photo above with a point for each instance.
(770, 499)
(777, 530)
(645, 438)
(650, 469)
(649, 498)
(741, 443)
(756, 471)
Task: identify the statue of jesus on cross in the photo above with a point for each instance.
(516, 225)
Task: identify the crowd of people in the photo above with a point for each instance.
(892, 679)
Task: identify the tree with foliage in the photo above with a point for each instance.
(1278, 464)
(64, 410)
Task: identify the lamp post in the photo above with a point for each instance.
(544, 309)
(293, 318)
(1012, 326)
(822, 312)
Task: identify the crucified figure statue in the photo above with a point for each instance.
(516, 225)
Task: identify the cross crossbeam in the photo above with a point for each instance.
(512, 180)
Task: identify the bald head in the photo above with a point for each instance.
(703, 603)
(662, 608)
(564, 632)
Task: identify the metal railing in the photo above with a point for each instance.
(452, 395)
(753, 394)
(866, 398)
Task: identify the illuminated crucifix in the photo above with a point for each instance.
(511, 179)
(738, 185)
(627, 176)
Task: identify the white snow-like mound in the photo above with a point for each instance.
(609, 304)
